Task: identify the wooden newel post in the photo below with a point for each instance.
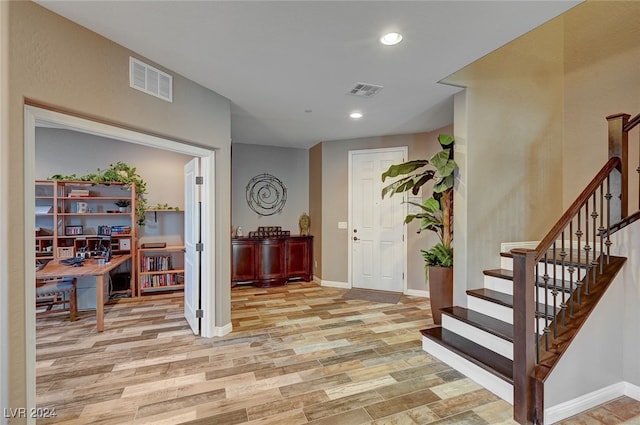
(619, 184)
(524, 337)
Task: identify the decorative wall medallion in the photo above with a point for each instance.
(266, 195)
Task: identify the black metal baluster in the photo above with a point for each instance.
(578, 262)
(563, 303)
(545, 278)
(601, 229)
(608, 197)
(571, 269)
(587, 248)
(537, 312)
(554, 292)
(594, 260)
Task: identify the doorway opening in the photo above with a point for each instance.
(35, 117)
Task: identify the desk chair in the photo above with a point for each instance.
(53, 292)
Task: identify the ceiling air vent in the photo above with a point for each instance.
(365, 90)
(150, 80)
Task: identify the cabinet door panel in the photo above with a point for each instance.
(271, 260)
(297, 258)
(244, 261)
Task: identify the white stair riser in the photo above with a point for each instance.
(496, 311)
(506, 286)
(488, 380)
(480, 337)
(488, 308)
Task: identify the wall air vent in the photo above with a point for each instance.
(150, 80)
(365, 90)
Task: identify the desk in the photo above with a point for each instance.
(91, 268)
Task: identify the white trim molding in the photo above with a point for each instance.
(222, 330)
(418, 293)
(588, 401)
(335, 284)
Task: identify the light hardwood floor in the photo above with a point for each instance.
(297, 354)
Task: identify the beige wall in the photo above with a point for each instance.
(54, 61)
(602, 62)
(531, 127)
(315, 205)
(335, 203)
(512, 166)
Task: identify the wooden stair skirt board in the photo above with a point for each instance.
(478, 340)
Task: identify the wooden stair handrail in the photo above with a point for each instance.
(631, 123)
(563, 222)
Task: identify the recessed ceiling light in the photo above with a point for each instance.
(391, 39)
(355, 115)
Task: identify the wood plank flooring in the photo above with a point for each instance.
(298, 354)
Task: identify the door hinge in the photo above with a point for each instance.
(199, 247)
(199, 180)
(402, 275)
(199, 314)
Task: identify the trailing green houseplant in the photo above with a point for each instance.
(436, 213)
(116, 173)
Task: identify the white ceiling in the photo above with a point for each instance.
(275, 60)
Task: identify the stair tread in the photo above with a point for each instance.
(508, 275)
(481, 321)
(481, 356)
(506, 300)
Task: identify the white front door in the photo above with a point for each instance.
(376, 225)
(192, 239)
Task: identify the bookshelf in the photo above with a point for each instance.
(160, 269)
(161, 252)
(76, 217)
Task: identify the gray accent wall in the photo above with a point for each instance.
(289, 165)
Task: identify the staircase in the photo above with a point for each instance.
(515, 329)
(479, 340)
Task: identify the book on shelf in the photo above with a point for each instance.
(160, 280)
(156, 263)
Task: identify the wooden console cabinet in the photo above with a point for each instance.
(271, 261)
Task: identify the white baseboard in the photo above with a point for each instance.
(222, 330)
(418, 293)
(334, 284)
(588, 401)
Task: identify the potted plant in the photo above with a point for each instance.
(122, 205)
(119, 172)
(435, 214)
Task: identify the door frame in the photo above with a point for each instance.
(405, 152)
(35, 116)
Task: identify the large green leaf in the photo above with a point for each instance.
(445, 139)
(443, 163)
(404, 168)
(444, 184)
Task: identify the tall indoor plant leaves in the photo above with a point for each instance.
(436, 213)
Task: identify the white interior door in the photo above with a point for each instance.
(192, 239)
(376, 231)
